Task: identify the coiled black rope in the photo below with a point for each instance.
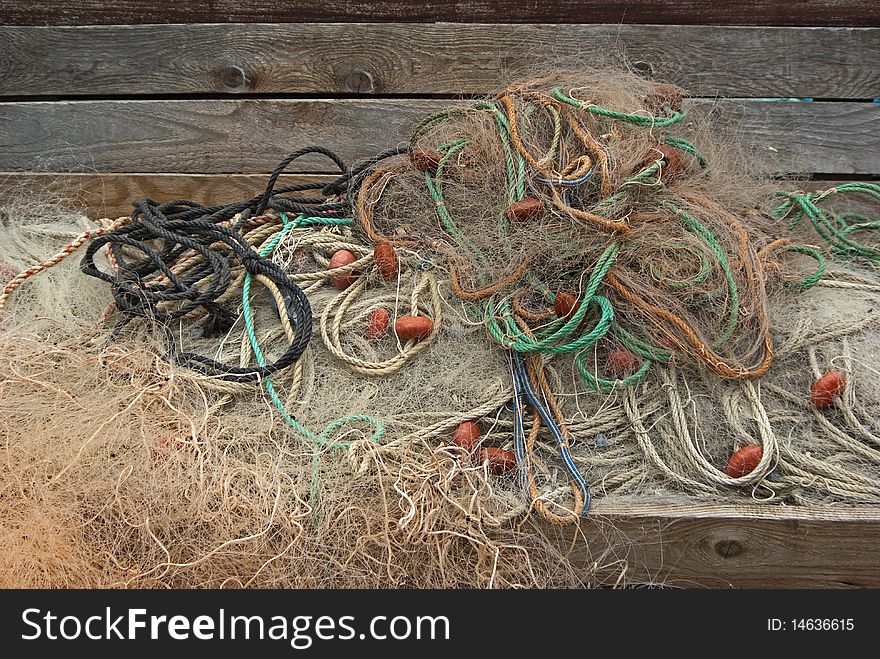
(163, 233)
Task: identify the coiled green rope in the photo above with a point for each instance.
(834, 228)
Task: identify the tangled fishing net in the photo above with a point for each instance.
(572, 292)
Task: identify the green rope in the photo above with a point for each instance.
(687, 147)
(515, 169)
(856, 221)
(808, 282)
(696, 227)
(504, 330)
(699, 278)
(516, 172)
(648, 175)
(635, 119)
(321, 438)
(642, 348)
(606, 206)
(446, 219)
(601, 384)
(434, 119)
(835, 229)
(303, 221)
(515, 177)
(648, 352)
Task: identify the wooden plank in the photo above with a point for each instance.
(111, 195)
(740, 546)
(810, 138)
(433, 59)
(731, 12)
(247, 135)
(197, 136)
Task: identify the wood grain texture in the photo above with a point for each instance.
(724, 546)
(731, 12)
(426, 59)
(197, 136)
(247, 136)
(111, 195)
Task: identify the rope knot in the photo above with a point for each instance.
(253, 263)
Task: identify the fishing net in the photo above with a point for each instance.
(570, 293)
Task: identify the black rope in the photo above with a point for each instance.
(350, 181)
(163, 233)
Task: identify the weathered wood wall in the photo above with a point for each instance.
(107, 102)
(121, 100)
(729, 12)
(427, 60)
(242, 136)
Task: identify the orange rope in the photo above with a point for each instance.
(479, 294)
(365, 205)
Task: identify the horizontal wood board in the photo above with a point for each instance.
(729, 12)
(434, 59)
(720, 546)
(250, 135)
(111, 195)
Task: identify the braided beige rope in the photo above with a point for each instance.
(334, 313)
(705, 469)
(812, 472)
(483, 409)
(643, 436)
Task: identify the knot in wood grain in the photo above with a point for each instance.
(359, 82)
(728, 548)
(234, 78)
(644, 68)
